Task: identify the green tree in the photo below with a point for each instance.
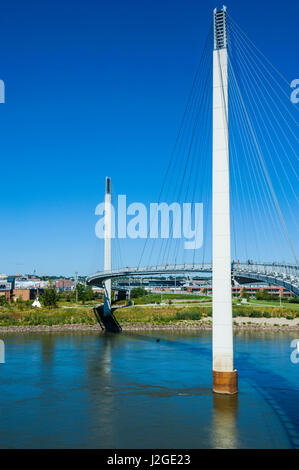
(262, 295)
(81, 294)
(244, 294)
(68, 297)
(49, 297)
(89, 294)
(138, 292)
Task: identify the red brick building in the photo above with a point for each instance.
(64, 284)
(251, 290)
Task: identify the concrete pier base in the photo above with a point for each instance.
(225, 382)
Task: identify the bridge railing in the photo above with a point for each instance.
(285, 272)
(281, 272)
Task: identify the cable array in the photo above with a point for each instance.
(263, 152)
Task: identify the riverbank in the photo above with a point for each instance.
(145, 317)
(239, 323)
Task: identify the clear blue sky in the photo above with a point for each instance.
(98, 88)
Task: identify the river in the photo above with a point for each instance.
(94, 390)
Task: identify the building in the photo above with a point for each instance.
(5, 286)
(26, 294)
(20, 287)
(251, 290)
(64, 284)
(26, 283)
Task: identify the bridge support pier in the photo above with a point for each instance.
(224, 375)
(225, 382)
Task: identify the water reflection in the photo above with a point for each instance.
(102, 409)
(48, 343)
(224, 426)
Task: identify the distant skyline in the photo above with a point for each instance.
(96, 89)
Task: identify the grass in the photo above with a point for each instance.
(266, 312)
(163, 314)
(273, 303)
(73, 303)
(23, 315)
(166, 314)
(45, 316)
(156, 298)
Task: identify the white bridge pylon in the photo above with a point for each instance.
(224, 375)
(107, 248)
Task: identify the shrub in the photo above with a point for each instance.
(3, 300)
(239, 312)
(256, 314)
(188, 315)
(20, 303)
(266, 315)
(4, 317)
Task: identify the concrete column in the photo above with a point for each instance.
(107, 247)
(224, 376)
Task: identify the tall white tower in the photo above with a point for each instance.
(107, 247)
(224, 375)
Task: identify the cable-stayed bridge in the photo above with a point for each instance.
(284, 275)
(237, 151)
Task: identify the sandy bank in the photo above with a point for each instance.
(204, 324)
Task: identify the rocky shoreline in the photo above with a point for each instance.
(239, 323)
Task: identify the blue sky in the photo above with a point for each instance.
(98, 88)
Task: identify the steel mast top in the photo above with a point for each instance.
(220, 28)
